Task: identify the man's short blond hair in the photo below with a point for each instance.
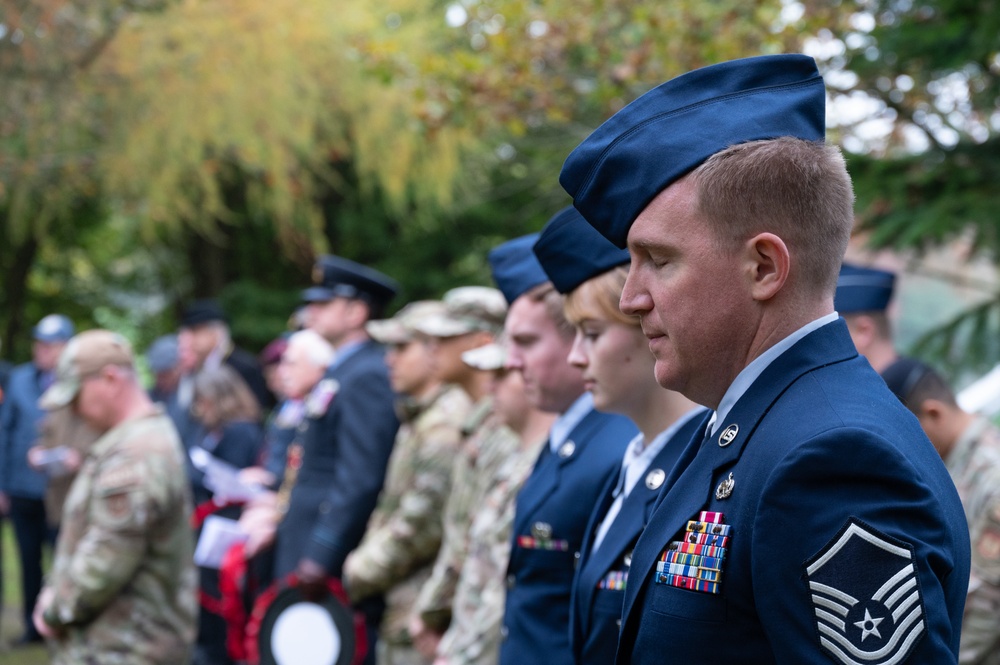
(546, 294)
(799, 190)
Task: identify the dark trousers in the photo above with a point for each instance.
(32, 532)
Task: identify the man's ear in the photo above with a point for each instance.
(768, 265)
(931, 411)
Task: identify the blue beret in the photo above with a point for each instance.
(667, 132)
(337, 277)
(515, 268)
(571, 251)
(863, 289)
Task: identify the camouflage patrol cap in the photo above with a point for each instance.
(467, 309)
(490, 357)
(402, 327)
(85, 355)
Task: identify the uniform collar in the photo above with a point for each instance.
(569, 419)
(750, 373)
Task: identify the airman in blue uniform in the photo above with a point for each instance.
(814, 522)
(583, 451)
(613, 354)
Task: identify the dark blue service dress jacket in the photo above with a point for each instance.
(816, 525)
(602, 575)
(20, 417)
(550, 517)
(345, 451)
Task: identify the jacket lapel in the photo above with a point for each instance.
(692, 487)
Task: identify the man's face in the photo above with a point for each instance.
(537, 350)
(94, 399)
(330, 319)
(509, 400)
(298, 374)
(448, 355)
(690, 296)
(411, 367)
(45, 355)
(194, 343)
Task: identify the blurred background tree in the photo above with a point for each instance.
(151, 152)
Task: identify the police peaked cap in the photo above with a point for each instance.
(863, 289)
(515, 268)
(669, 131)
(571, 251)
(337, 277)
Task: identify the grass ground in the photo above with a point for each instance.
(11, 626)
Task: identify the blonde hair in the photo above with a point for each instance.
(598, 297)
(799, 190)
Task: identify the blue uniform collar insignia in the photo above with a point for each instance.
(866, 597)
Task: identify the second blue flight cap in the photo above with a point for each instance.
(571, 251)
(515, 268)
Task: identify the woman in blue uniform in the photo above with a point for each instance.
(613, 354)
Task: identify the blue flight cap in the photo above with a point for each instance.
(515, 268)
(862, 289)
(53, 328)
(571, 251)
(669, 131)
(337, 277)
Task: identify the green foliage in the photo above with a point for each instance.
(934, 67)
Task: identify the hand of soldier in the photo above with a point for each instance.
(4, 503)
(312, 580)
(38, 615)
(425, 640)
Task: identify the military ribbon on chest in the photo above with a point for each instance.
(541, 539)
(695, 561)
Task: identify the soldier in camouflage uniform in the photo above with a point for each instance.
(970, 447)
(123, 584)
(472, 318)
(403, 535)
(473, 637)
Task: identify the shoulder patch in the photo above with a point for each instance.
(866, 597)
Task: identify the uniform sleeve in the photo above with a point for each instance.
(981, 623)
(434, 602)
(364, 438)
(8, 427)
(411, 535)
(121, 509)
(857, 554)
(6, 439)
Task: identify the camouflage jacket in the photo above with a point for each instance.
(403, 535)
(473, 638)
(123, 581)
(974, 465)
(488, 445)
